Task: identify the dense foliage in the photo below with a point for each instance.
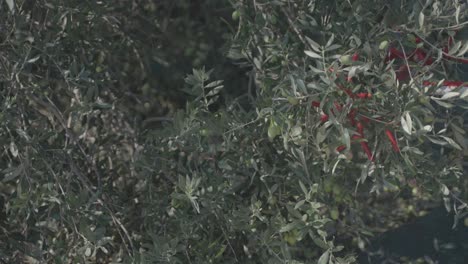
(338, 134)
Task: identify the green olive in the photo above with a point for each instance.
(334, 213)
(428, 119)
(293, 100)
(204, 132)
(77, 128)
(336, 190)
(291, 237)
(145, 88)
(345, 59)
(235, 15)
(274, 130)
(424, 100)
(383, 45)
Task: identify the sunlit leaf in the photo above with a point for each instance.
(324, 258)
(312, 54)
(11, 5)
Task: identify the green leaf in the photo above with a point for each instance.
(11, 5)
(421, 19)
(333, 47)
(319, 242)
(451, 142)
(450, 95)
(444, 189)
(324, 258)
(437, 141)
(213, 84)
(299, 204)
(447, 204)
(338, 248)
(215, 90)
(463, 50)
(313, 44)
(101, 105)
(330, 41)
(273, 131)
(12, 173)
(301, 85)
(13, 149)
(455, 47)
(346, 138)
(304, 189)
(220, 251)
(257, 63)
(289, 227)
(441, 103)
(407, 123)
(312, 54)
(296, 133)
(352, 72)
(464, 94)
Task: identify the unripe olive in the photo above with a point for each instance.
(336, 190)
(428, 119)
(293, 100)
(290, 237)
(235, 15)
(334, 213)
(145, 89)
(77, 128)
(204, 132)
(423, 100)
(273, 131)
(274, 59)
(383, 45)
(345, 59)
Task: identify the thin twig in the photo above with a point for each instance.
(406, 61)
(157, 119)
(448, 56)
(243, 125)
(295, 29)
(454, 27)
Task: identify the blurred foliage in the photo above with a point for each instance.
(78, 80)
(307, 52)
(243, 170)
